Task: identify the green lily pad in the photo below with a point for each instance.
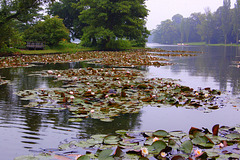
(160, 133)
(159, 145)
(187, 146)
(84, 157)
(111, 140)
(105, 155)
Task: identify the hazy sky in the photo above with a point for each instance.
(161, 10)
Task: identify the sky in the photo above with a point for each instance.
(161, 10)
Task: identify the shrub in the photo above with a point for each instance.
(119, 44)
(51, 31)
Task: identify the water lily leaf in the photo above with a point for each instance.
(127, 143)
(187, 146)
(64, 146)
(84, 144)
(84, 157)
(228, 156)
(178, 157)
(202, 141)
(106, 119)
(212, 154)
(160, 133)
(118, 152)
(233, 136)
(98, 138)
(172, 143)
(159, 145)
(179, 134)
(75, 120)
(111, 140)
(215, 130)
(105, 155)
(33, 157)
(193, 129)
(121, 132)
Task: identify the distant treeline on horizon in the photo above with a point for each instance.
(221, 26)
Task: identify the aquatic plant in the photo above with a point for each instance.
(145, 57)
(174, 145)
(104, 93)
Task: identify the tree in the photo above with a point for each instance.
(69, 12)
(194, 21)
(14, 13)
(110, 20)
(51, 31)
(226, 19)
(177, 22)
(18, 9)
(205, 29)
(236, 21)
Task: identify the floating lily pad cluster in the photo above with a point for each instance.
(221, 144)
(125, 58)
(104, 93)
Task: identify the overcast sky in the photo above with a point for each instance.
(160, 10)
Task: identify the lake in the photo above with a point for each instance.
(28, 130)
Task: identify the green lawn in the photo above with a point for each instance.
(53, 51)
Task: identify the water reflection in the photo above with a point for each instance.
(23, 129)
(212, 68)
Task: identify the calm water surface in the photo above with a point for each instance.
(27, 130)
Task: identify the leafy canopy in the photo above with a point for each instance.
(51, 31)
(69, 12)
(109, 20)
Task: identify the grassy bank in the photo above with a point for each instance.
(56, 50)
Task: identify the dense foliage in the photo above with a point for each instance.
(51, 31)
(69, 12)
(109, 20)
(222, 26)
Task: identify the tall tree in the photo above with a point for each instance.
(226, 19)
(69, 12)
(108, 20)
(205, 29)
(13, 11)
(18, 9)
(236, 20)
(194, 21)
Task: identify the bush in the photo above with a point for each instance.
(119, 44)
(51, 31)
(65, 44)
(6, 51)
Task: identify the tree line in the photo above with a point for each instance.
(221, 26)
(103, 24)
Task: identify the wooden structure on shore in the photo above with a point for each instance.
(35, 45)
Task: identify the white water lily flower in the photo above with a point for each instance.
(144, 151)
(155, 139)
(163, 154)
(72, 97)
(71, 92)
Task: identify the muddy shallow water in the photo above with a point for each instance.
(27, 130)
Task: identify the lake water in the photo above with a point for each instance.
(27, 130)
